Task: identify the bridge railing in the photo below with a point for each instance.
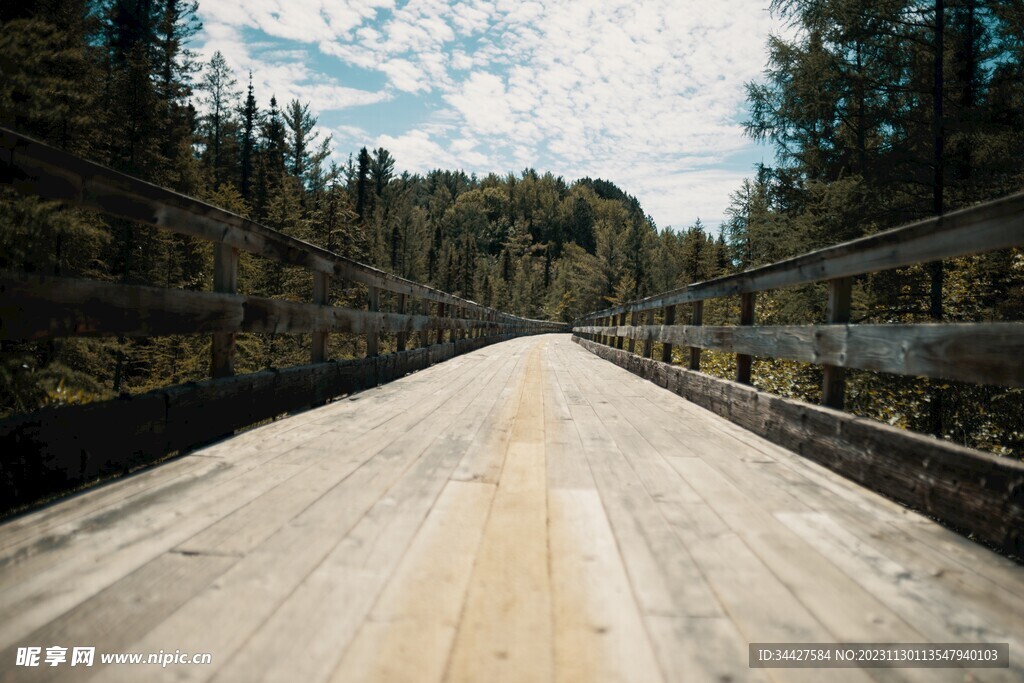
(52, 449)
(966, 488)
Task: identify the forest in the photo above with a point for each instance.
(879, 112)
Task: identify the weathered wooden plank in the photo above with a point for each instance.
(486, 456)
(378, 427)
(568, 467)
(410, 630)
(440, 331)
(506, 629)
(322, 525)
(649, 340)
(35, 168)
(634, 318)
(108, 546)
(373, 305)
(669, 320)
(974, 230)
(321, 290)
(744, 361)
(833, 385)
(35, 307)
(225, 280)
(762, 606)
(986, 353)
(598, 629)
(980, 493)
(696, 319)
(922, 602)
(55, 449)
(270, 572)
(114, 617)
(849, 611)
(400, 339)
(327, 608)
(664, 577)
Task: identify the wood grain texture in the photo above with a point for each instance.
(35, 168)
(979, 493)
(833, 385)
(985, 353)
(505, 633)
(35, 307)
(53, 450)
(977, 229)
(622, 533)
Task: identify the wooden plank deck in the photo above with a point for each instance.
(526, 512)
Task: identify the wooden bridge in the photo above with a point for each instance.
(525, 510)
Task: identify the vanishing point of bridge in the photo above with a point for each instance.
(537, 507)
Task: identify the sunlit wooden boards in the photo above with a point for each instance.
(980, 493)
(524, 512)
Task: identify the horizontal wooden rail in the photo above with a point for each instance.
(986, 353)
(964, 487)
(979, 493)
(35, 307)
(35, 168)
(47, 451)
(986, 227)
(52, 450)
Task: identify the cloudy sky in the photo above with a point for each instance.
(646, 93)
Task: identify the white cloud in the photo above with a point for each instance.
(416, 151)
(646, 93)
(283, 74)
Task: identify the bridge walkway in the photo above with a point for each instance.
(524, 512)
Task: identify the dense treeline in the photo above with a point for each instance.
(115, 81)
(880, 111)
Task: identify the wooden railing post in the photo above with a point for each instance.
(440, 331)
(633, 319)
(649, 339)
(425, 333)
(696, 320)
(666, 349)
(225, 279)
(620, 342)
(833, 380)
(373, 304)
(402, 335)
(744, 362)
(321, 288)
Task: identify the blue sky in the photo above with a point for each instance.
(646, 93)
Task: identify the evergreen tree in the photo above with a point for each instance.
(220, 95)
(363, 185)
(249, 114)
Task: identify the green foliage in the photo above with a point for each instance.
(847, 102)
(874, 126)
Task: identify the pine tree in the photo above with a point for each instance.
(220, 97)
(175, 64)
(363, 185)
(249, 114)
